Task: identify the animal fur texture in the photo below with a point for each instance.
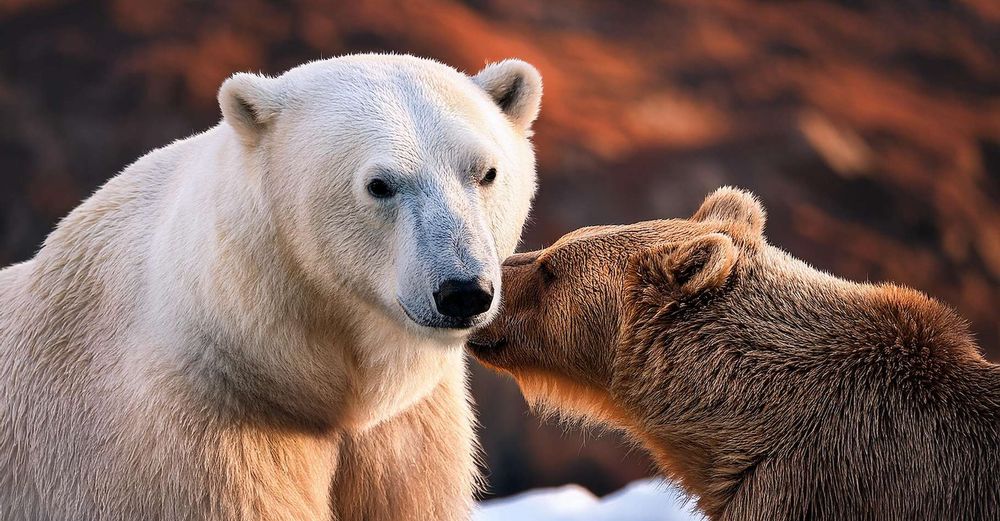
(767, 389)
(223, 331)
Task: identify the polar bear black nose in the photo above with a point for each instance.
(463, 298)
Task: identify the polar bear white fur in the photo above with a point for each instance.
(240, 325)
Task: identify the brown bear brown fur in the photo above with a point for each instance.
(765, 388)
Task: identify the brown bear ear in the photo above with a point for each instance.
(248, 103)
(696, 265)
(733, 205)
(516, 87)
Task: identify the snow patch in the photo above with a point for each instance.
(644, 500)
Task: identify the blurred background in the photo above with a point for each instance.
(870, 130)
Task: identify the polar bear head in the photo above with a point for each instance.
(396, 180)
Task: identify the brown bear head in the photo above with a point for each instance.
(567, 308)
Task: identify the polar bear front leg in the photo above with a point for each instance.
(420, 465)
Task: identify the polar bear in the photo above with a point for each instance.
(266, 320)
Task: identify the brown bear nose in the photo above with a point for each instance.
(463, 298)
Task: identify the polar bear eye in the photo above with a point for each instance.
(379, 189)
(490, 176)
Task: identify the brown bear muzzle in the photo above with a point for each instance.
(488, 342)
(483, 347)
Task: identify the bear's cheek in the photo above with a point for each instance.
(534, 344)
(505, 221)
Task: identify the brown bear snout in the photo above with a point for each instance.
(489, 341)
(520, 259)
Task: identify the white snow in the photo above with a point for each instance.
(644, 500)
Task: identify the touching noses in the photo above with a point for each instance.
(463, 299)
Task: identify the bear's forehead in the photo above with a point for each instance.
(375, 67)
(388, 82)
(616, 243)
(645, 233)
(394, 109)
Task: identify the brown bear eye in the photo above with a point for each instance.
(379, 189)
(491, 175)
(548, 276)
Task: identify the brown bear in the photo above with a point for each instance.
(765, 388)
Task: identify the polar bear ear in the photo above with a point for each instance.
(736, 206)
(249, 102)
(516, 87)
(693, 266)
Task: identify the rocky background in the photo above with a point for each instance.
(871, 131)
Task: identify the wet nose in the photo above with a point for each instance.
(463, 298)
